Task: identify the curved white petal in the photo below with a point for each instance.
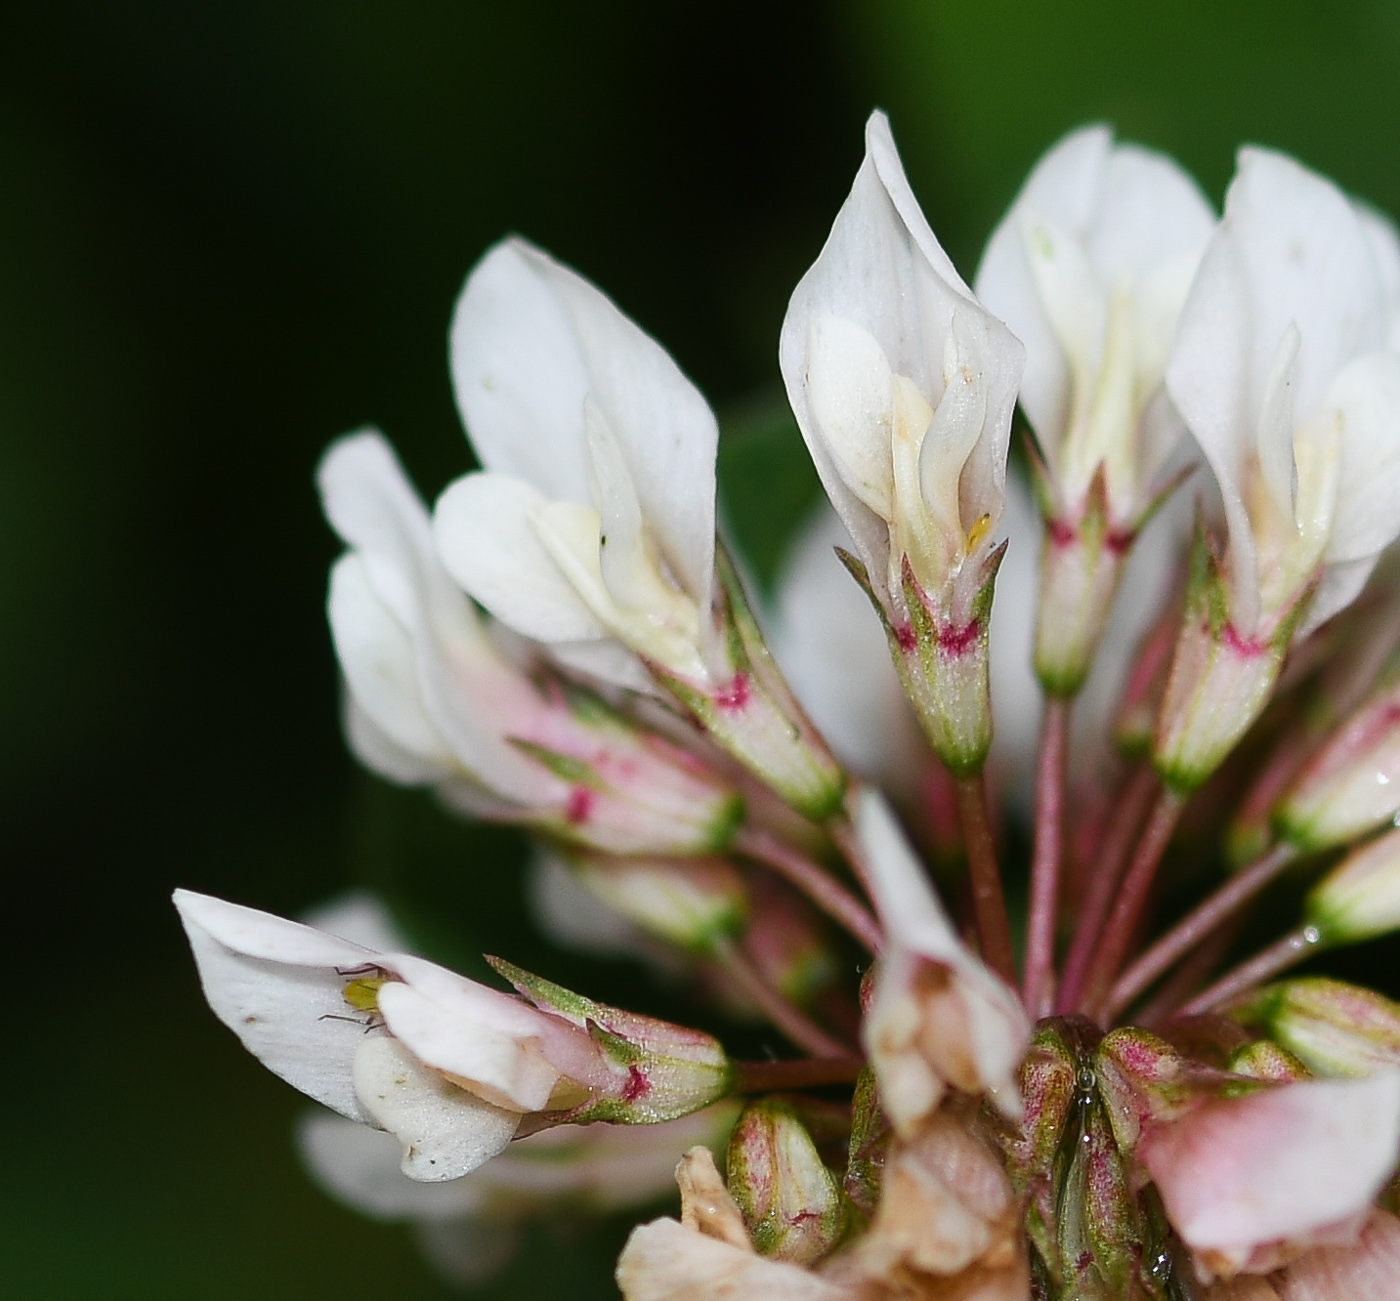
(519, 375)
(1339, 587)
(1136, 217)
(445, 1131)
(1291, 254)
(665, 1261)
(1276, 1164)
(380, 753)
(485, 536)
(916, 925)
(883, 271)
(274, 984)
(530, 340)
(460, 1035)
(1367, 393)
(380, 664)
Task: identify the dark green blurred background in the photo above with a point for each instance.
(229, 232)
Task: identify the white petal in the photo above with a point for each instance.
(1307, 260)
(1134, 213)
(445, 1131)
(464, 1037)
(380, 753)
(1367, 393)
(519, 374)
(667, 432)
(850, 393)
(608, 661)
(1340, 586)
(1148, 213)
(486, 540)
(1061, 189)
(883, 270)
(380, 664)
(274, 984)
(1279, 1163)
(360, 1167)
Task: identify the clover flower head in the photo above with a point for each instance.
(983, 1072)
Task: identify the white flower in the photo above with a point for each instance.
(903, 387)
(448, 1066)
(433, 700)
(591, 526)
(1283, 372)
(1090, 268)
(938, 1017)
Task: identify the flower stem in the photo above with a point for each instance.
(808, 1073)
(1189, 976)
(1130, 900)
(1129, 811)
(1288, 952)
(794, 1023)
(1197, 924)
(1037, 986)
(828, 894)
(988, 899)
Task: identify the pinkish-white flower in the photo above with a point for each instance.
(449, 1066)
(432, 699)
(937, 1017)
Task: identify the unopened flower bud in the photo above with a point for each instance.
(1265, 1060)
(1333, 1027)
(693, 903)
(789, 1199)
(1360, 898)
(1352, 785)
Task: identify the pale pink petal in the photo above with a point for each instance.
(1276, 1164)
